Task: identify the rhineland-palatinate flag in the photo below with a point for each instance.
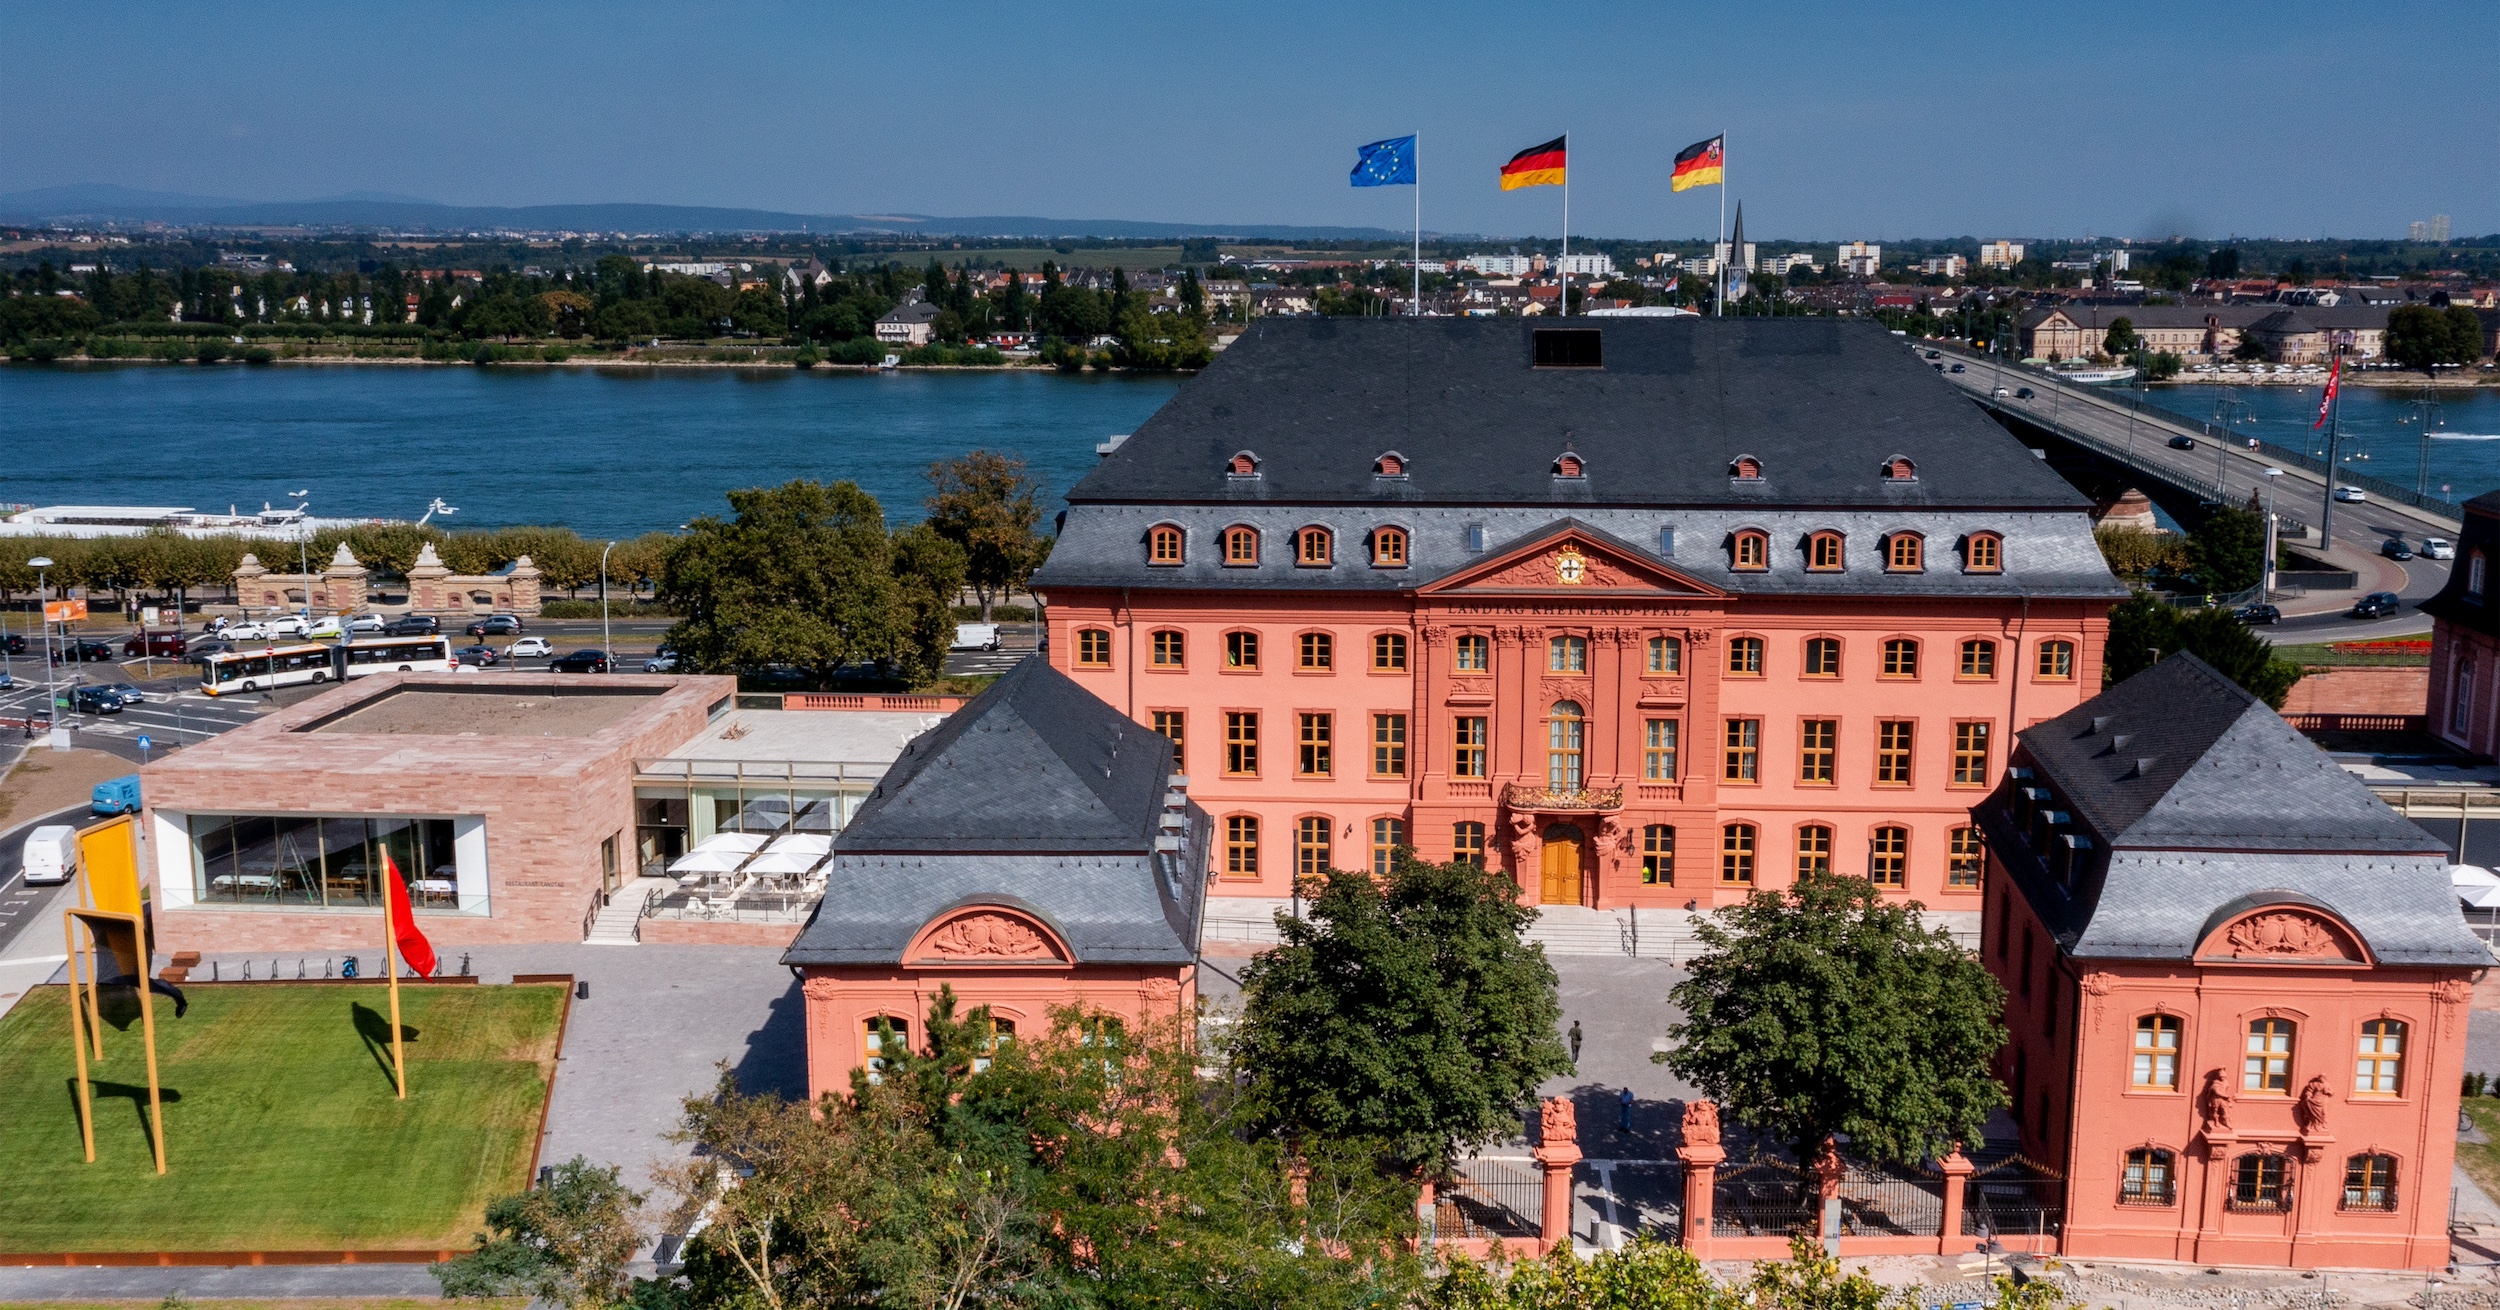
(1535, 166)
(2326, 398)
(413, 947)
(1703, 163)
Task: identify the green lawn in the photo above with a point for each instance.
(281, 1129)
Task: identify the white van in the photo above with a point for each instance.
(51, 853)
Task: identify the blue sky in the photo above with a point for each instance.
(1844, 120)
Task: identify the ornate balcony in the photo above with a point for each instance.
(1520, 796)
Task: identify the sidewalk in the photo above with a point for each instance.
(2372, 572)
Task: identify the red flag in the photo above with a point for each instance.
(2334, 375)
(413, 947)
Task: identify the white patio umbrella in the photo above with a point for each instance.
(802, 843)
(783, 862)
(742, 843)
(2476, 886)
(700, 860)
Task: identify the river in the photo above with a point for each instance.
(609, 452)
(2382, 429)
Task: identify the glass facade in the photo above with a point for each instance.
(670, 820)
(299, 861)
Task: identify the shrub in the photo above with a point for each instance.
(806, 359)
(259, 355)
(858, 350)
(618, 606)
(210, 352)
(554, 354)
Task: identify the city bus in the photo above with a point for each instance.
(312, 661)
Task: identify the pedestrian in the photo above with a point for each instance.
(1575, 1041)
(1625, 1125)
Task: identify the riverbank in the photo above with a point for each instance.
(2402, 379)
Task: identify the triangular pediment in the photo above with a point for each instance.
(1570, 558)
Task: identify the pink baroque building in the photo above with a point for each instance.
(2237, 985)
(1651, 613)
(2464, 703)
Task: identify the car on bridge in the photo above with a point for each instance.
(2395, 548)
(2350, 495)
(2377, 605)
(2183, 442)
(2024, 393)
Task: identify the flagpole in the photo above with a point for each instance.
(1565, 308)
(1417, 309)
(1721, 311)
(390, 970)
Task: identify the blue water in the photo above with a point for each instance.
(2382, 431)
(610, 452)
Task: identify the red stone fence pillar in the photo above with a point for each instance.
(1957, 1170)
(1828, 1173)
(1702, 1156)
(1556, 1152)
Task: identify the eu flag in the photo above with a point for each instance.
(1386, 163)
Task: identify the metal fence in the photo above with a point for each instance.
(1891, 1203)
(1489, 1198)
(1764, 1198)
(2014, 1197)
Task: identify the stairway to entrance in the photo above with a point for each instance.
(620, 923)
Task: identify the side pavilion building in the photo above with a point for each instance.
(2237, 985)
(1650, 612)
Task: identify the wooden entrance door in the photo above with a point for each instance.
(1561, 883)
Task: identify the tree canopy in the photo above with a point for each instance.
(1824, 1009)
(2426, 336)
(1403, 1008)
(2144, 627)
(2228, 550)
(984, 503)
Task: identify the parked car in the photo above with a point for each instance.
(327, 628)
(201, 650)
(496, 625)
(129, 692)
(7, 682)
(665, 661)
(366, 623)
(975, 636)
(94, 700)
(529, 648)
(412, 625)
(580, 661)
(2183, 442)
(82, 652)
(51, 853)
(2254, 615)
(13, 644)
(115, 796)
(166, 645)
(288, 625)
(2023, 393)
(2395, 548)
(2350, 495)
(247, 632)
(2378, 604)
(481, 654)
(2438, 548)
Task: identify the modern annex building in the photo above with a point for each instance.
(2237, 984)
(1651, 613)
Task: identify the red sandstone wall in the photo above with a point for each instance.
(696, 932)
(2360, 691)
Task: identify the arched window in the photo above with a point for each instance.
(2474, 576)
(1565, 732)
(2147, 1180)
(1983, 552)
(1093, 648)
(1745, 467)
(1567, 655)
(1315, 652)
(2257, 1182)
(2056, 662)
(1390, 465)
(1467, 843)
(2380, 1068)
(1310, 846)
(1241, 547)
(1168, 646)
(1473, 653)
(1814, 849)
(1658, 855)
(2268, 1066)
(1888, 857)
(1389, 548)
(1666, 655)
(1905, 552)
(1824, 553)
(2370, 1182)
(1569, 465)
(1164, 545)
(1979, 659)
(1313, 548)
(1744, 656)
(1243, 465)
(1002, 1032)
(1389, 652)
(2156, 1053)
(1241, 846)
(1963, 860)
(1900, 657)
(1241, 650)
(884, 1037)
(1736, 851)
(1900, 469)
(1822, 657)
(1387, 835)
(1749, 551)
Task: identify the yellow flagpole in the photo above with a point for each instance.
(78, 1040)
(147, 1026)
(390, 970)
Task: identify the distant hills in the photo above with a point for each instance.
(98, 204)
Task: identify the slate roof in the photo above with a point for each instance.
(2284, 323)
(1821, 402)
(2201, 803)
(1036, 795)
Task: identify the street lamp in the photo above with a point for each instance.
(607, 644)
(303, 549)
(2265, 585)
(43, 599)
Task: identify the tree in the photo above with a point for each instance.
(566, 1243)
(1823, 1009)
(984, 503)
(2121, 339)
(2228, 551)
(2223, 262)
(2142, 628)
(760, 312)
(804, 574)
(1162, 342)
(2427, 336)
(567, 312)
(1405, 1009)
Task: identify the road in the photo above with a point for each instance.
(2362, 527)
(23, 906)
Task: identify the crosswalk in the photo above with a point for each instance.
(978, 662)
(167, 719)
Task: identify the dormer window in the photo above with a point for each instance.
(1983, 552)
(1569, 348)
(1749, 551)
(1241, 547)
(1391, 465)
(1745, 468)
(2474, 577)
(1824, 553)
(1900, 469)
(1905, 552)
(1164, 545)
(1313, 548)
(1569, 465)
(1388, 548)
(1243, 465)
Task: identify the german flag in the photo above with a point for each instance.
(1701, 164)
(1535, 166)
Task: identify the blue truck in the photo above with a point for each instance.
(116, 795)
